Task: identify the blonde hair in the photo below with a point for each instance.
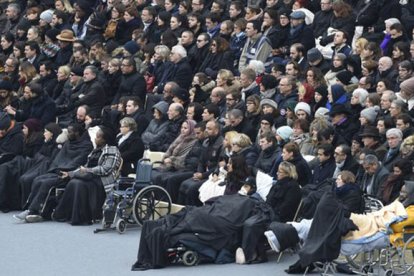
(289, 169)
(65, 69)
(242, 140)
(230, 136)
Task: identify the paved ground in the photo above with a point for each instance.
(51, 248)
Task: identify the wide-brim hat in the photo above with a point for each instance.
(338, 109)
(370, 131)
(66, 35)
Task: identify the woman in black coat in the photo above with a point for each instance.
(219, 57)
(349, 193)
(130, 145)
(282, 202)
(125, 27)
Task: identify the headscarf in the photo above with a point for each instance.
(191, 125)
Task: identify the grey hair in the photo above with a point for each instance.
(362, 95)
(180, 50)
(371, 159)
(129, 122)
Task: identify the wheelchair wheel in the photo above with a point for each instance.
(151, 203)
(408, 255)
(121, 226)
(190, 258)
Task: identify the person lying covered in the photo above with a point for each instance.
(210, 228)
(73, 154)
(85, 192)
(373, 228)
(282, 236)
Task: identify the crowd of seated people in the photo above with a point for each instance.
(304, 92)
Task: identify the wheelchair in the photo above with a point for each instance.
(135, 200)
(393, 260)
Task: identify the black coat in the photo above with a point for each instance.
(328, 226)
(142, 121)
(124, 30)
(12, 142)
(173, 130)
(303, 170)
(266, 159)
(214, 62)
(182, 73)
(63, 56)
(303, 36)
(321, 22)
(346, 130)
(284, 198)
(131, 151)
(48, 83)
(132, 84)
(42, 108)
(323, 171)
(216, 225)
(93, 96)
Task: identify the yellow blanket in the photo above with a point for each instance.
(374, 222)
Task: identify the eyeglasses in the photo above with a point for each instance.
(338, 153)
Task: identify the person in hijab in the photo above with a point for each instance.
(175, 155)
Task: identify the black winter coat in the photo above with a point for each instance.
(173, 130)
(124, 30)
(284, 198)
(182, 74)
(12, 142)
(321, 22)
(346, 130)
(266, 159)
(131, 151)
(132, 84)
(328, 226)
(42, 108)
(323, 171)
(93, 96)
(303, 36)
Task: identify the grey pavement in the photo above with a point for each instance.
(51, 248)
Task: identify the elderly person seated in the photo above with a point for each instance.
(394, 140)
(374, 176)
(130, 145)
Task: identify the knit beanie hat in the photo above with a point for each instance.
(303, 106)
(54, 128)
(370, 113)
(34, 125)
(47, 16)
(132, 47)
(407, 85)
(322, 90)
(344, 77)
(314, 55)
(270, 102)
(268, 118)
(284, 132)
(52, 34)
(337, 92)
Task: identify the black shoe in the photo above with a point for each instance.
(297, 268)
(140, 267)
(5, 210)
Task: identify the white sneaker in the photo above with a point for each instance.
(272, 240)
(22, 215)
(240, 258)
